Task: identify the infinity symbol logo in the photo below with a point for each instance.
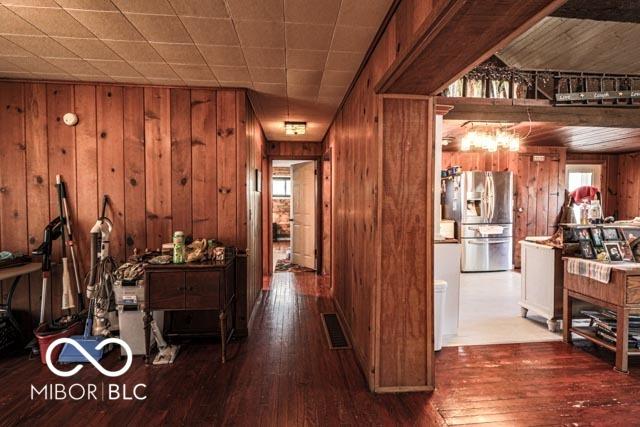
(89, 358)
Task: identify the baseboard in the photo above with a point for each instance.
(404, 389)
(362, 364)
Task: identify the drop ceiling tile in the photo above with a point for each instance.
(232, 74)
(42, 46)
(53, 76)
(332, 101)
(160, 28)
(352, 39)
(144, 6)
(54, 22)
(107, 25)
(211, 30)
(344, 61)
(193, 72)
(363, 13)
(302, 91)
(137, 80)
(337, 78)
(263, 10)
(30, 3)
(270, 88)
(327, 91)
(222, 55)
(304, 77)
(87, 4)
(268, 75)
(34, 64)
(9, 66)
(74, 66)
(306, 59)
(87, 48)
(264, 57)
(154, 70)
(115, 68)
(202, 8)
(168, 82)
(308, 36)
(260, 34)
(246, 85)
(10, 23)
(312, 12)
(8, 48)
(134, 51)
(92, 77)
(179, 53)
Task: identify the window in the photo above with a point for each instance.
(581, 175)
(281, 187)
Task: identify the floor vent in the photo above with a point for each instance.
(335, 334)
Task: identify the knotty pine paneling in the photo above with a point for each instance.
(168, 158)
(294, 149)
(354, 145)
(629, 186)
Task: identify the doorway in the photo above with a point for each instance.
(294, 212)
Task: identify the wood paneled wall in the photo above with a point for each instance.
(169, 159)
(628, 186)
(354, 145)
(292, 149)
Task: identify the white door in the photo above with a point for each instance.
(303, 214)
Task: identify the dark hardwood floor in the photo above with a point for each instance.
(284, 374)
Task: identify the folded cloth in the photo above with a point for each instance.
(490, 229)
(595, 270)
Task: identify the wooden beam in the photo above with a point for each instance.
(461, 35)
(508, 110)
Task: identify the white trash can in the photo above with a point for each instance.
(440, 293)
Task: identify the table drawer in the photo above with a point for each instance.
(633, 290)
(204, 290)
(166, 290)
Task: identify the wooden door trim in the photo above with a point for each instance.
(318, 214)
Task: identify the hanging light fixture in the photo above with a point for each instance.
(490, 140)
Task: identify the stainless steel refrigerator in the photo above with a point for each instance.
(481, 203)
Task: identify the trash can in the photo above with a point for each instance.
(440, 293)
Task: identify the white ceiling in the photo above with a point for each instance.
(567, 44)
(299, 56)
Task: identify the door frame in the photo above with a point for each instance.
(268, 245)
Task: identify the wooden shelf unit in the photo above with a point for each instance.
(621, 295)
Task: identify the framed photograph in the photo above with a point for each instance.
(570, 235)
(596, 236)
(627, 254)
(586, 249)
(614, 251)
(609, 233)
(630, 234)
(584, 235)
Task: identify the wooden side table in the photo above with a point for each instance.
(194, 286)
(16, 274)
(621, 295)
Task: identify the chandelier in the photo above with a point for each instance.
(490, 141)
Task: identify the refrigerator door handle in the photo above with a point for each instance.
(488, 242)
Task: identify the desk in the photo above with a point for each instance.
(621, 295)
(195, 286)
(16, 274)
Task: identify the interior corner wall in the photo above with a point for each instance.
(169, 159)
(354, 146)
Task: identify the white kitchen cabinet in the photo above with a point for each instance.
(447, 267)
(541, 282)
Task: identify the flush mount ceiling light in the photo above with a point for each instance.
(295, 128)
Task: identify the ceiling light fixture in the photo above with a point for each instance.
(295, 128)
(490, 141)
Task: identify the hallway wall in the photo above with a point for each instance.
(361, 250)
(169, 159)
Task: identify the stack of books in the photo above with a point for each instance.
(604, 322)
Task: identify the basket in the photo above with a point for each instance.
(46, 336)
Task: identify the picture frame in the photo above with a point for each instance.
(610, 233)
(596, 236)
(627, 253)
(570, 235)
(614, 251)
(586, 250)
(630, 234)
(584, 235)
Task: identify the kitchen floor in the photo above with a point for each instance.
(490, 313)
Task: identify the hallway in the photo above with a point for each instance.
(284, 374)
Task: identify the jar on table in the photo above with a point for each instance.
(179, 251)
